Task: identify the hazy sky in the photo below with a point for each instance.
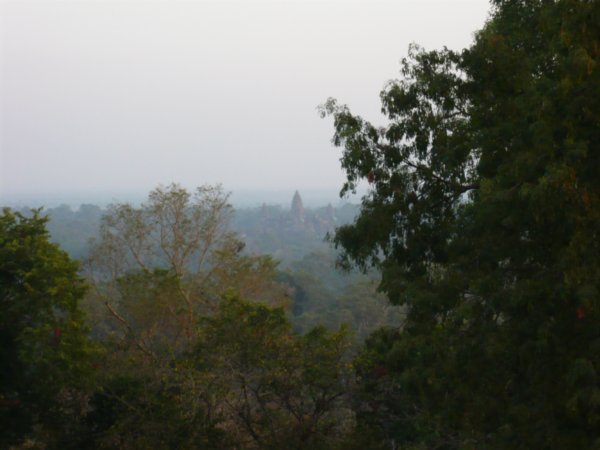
(118, 96)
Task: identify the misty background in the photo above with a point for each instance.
(101, 101)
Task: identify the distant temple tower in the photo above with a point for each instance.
(264, 212)
(297, 209)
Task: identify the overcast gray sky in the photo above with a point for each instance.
(118, 96)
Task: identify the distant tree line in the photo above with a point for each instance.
(303, 259)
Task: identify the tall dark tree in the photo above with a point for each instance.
(45, 354)
(483, 217)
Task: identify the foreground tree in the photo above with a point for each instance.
(483, 217)
(155, 271)
(45, 354)
(274, 389)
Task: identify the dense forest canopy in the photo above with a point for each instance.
(481, 222)
(303, 259)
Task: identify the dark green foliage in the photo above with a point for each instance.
(135, 412)
(45, 354)
(483, 217)
(275, 389)
(248, 383)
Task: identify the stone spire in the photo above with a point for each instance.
(297, 209)
(264, 212)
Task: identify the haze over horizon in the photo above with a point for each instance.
(106, 98)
